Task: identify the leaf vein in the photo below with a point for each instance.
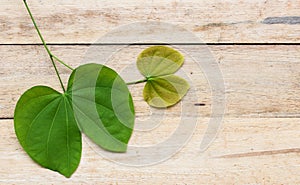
(67, 123)
(50, 131)
(36, 117)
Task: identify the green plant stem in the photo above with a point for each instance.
(52, 57)
(57, 73)
(60, 61)
(137, 82)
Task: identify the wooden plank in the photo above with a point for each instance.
(260, 81)
(212, 21)
(246, 151)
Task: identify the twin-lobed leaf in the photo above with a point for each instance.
(158, 64)
(97, 100)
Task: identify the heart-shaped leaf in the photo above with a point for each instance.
(165, 91)
(97, 100)
(158, 64)
(47, 130)
(102, 105)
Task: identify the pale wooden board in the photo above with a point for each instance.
(246, 151)
(259, 139)
(212, 21)
(260, 81)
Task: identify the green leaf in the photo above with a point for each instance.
(159, 61)
(97, 100)
(165, 91)
(102, 105)
(158, 64)
(46, 128)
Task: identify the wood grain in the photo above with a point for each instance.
(260, 81)
(69, 21)
(258, 142)
(262, 151)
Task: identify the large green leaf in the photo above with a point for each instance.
(47, 130)
(165, 91)
(159, 61)
(158, 64)
(102, 105)
(97, 100)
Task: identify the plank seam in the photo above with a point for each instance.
(192, 44)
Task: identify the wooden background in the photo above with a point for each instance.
(256, 44)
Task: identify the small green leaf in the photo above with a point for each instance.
(46, 129)
(103, 106)
(158, 64)
(165, 91)
(159, 61)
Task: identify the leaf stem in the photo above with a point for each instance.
(60, 61)
(137, 82)
(52, 57)
(57, 73)
(36, 27)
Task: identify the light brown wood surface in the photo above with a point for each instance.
(212, 21)
(247, 151)
(258, 142)
(260, 81)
